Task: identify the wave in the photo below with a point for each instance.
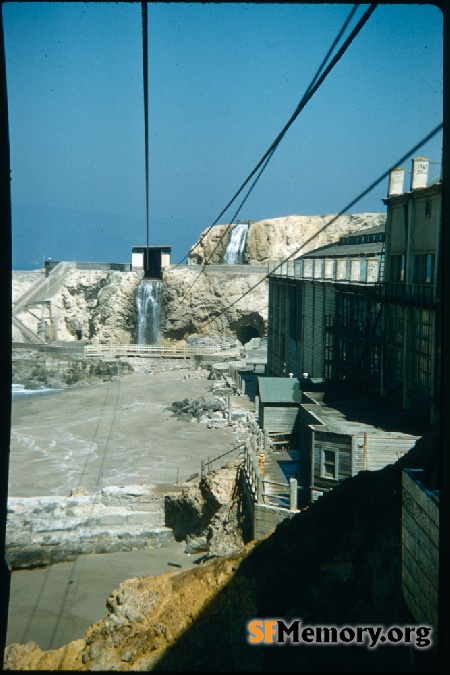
(19, 390)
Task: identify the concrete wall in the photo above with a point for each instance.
(45, 530)
(49, 265)
(420, 550)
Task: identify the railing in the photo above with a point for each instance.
(413, 294)
(257, 484)
(165, 351)
(206, 466)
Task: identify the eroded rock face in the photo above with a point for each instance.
(278, 238)
(214, 304)
(94, 305)
(101, 305)
(207, 515)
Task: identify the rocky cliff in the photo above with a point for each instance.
(95, 305)
(214, 303)
(100, 306)
(278, 238)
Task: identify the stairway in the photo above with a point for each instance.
(39, 293)
(27, 333)
(44, 289)
(47, 530)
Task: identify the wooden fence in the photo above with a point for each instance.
(163, 351)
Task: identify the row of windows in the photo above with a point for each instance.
(362, 239)
(354, 308)
(421, 348)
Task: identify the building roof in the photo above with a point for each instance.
(376, 229)
(279, 390)
(334, 421)
(352, 244)
(343, 250)
(151, 248)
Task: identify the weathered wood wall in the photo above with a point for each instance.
(420, 550)
(279, 418)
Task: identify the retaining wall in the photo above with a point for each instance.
(420, 549)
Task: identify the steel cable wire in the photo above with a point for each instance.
(424, 140)
(311, 89)
(316, 82)
(312, 83)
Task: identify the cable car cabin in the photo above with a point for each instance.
(150, 259)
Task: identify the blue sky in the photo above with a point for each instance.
(224, 79)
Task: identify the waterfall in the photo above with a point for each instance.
(148, 305)
(235, 249)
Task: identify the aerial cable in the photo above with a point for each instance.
(315, 84)
(342, 212)
(145, 76)
(330, 51)
(313, 81)
(237, 212)
(312, 88)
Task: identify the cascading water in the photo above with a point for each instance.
(148, 305)
(235, 249)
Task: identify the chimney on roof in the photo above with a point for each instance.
(396, 178)
(419, 174)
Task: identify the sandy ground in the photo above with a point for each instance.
(55, 605)
(113, 433)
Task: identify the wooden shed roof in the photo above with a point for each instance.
(279, 390)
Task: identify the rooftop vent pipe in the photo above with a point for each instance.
(419, 174)
(396, 178)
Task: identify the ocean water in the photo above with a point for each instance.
(18, 390)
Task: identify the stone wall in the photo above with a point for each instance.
(37, 369)
(420, 549)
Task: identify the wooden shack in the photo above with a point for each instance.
(278, 404)
(340, 448)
